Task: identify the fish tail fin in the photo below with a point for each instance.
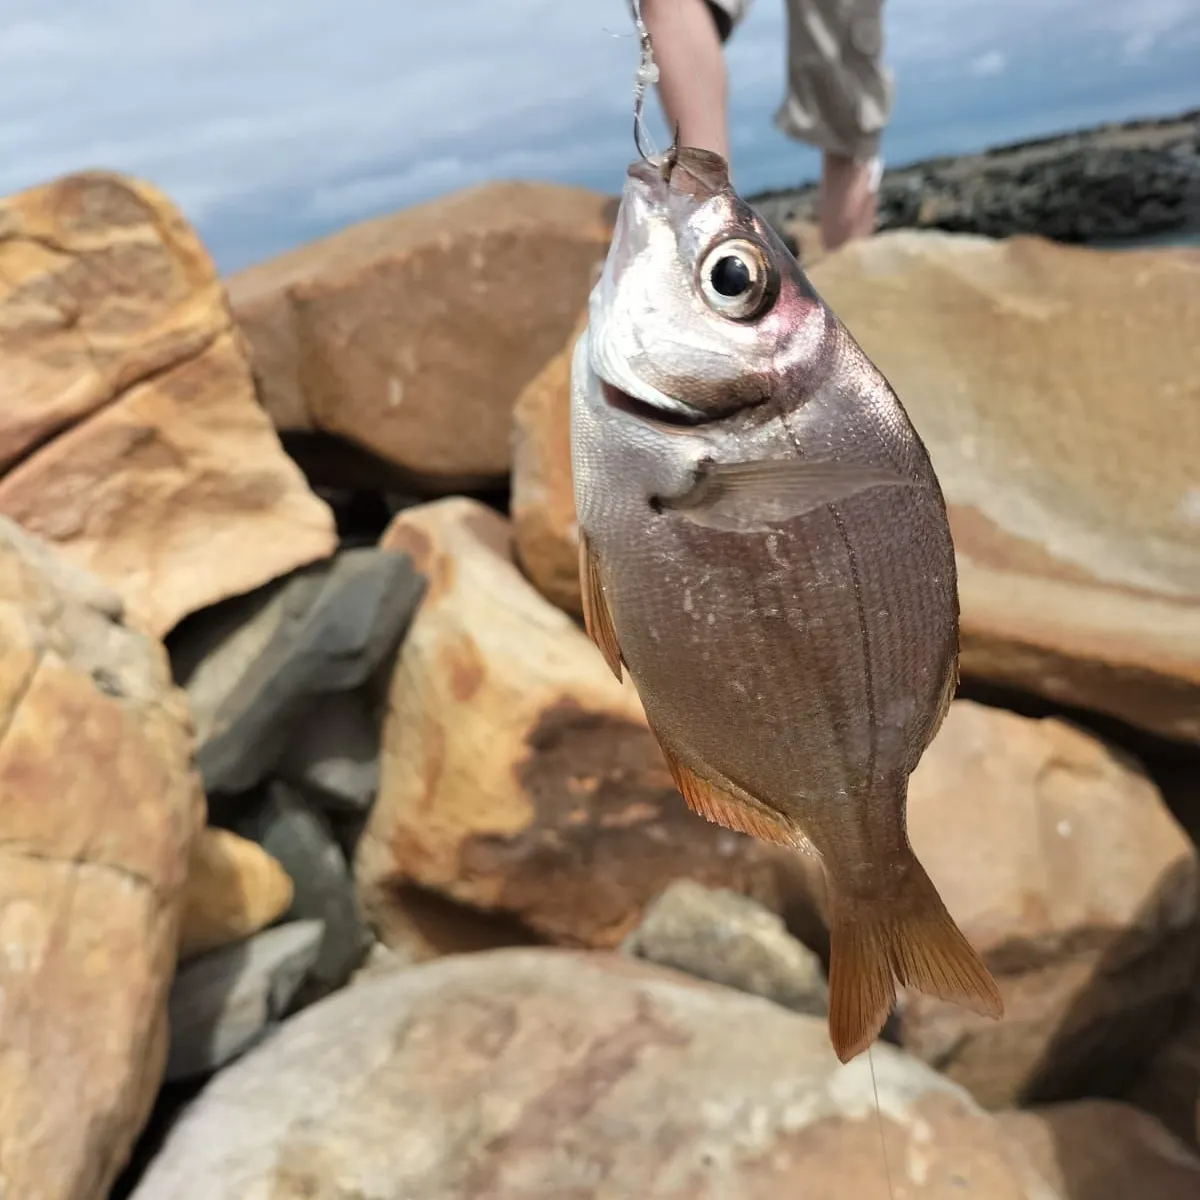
(907, 938)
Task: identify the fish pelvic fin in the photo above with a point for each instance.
(730, 806)
(597, 619)
(905, 938)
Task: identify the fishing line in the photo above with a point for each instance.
(647, 73)
(887, 1169)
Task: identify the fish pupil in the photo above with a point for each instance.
(730, 276)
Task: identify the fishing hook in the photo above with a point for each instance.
(670, 156)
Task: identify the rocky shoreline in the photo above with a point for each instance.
(335, 862)
(1116, 182)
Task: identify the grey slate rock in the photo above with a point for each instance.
(333, 754)
(253, 665)
(727, 938)
(222, 1002)
(303, 843)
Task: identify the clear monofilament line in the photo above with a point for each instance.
(887, 1170)
(647, 74)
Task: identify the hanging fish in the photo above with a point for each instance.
(764, 546)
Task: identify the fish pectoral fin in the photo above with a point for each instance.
(750, 496)
(730, 807)
(907, 938)
(597, 619)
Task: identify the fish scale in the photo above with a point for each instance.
(765, 549)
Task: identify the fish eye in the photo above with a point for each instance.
(736, 279)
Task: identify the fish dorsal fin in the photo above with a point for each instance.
(597, 619)
(729, 806)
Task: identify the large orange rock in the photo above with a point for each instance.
(234, 889)
(1062, 864)
(1059, 860)
(130, 435)
(413, 334)
(539, 1073)
(1058, 391)
(99, 806)
(516, 774)
(542, 502)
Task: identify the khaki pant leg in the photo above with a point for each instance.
(839, 95)
(728, 14)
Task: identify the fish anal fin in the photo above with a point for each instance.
(597, 619)
(730, 807)
(906, 938)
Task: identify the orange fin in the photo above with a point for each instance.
(597, 620)
(729, 806)
(908, 938)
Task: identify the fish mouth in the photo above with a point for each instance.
(623, 391)
(622, 401)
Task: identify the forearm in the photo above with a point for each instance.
(691, 64)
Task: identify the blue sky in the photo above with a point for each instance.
(273, 121)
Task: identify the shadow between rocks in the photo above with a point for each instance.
(1136, 997)
(172, 1100)
(335, 464)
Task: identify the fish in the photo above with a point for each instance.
(764, 547)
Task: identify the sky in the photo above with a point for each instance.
(272, 122)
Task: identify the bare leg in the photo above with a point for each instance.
(847, 202)
(691, 66)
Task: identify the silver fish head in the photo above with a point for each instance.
(701, 310)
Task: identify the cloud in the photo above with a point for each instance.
(322, 111)
(221, 97)
(991, 62)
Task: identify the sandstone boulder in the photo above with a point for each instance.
(550, 1074)
(516, 774)
(805, 236)
(1104, 1150)
(130, 435)
(543, 501)
(234, 889)
(1058, 391)
(412, 334)
(1062, 865)
(99, 806)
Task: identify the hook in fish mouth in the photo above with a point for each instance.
(663, 163)
(670, 156)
